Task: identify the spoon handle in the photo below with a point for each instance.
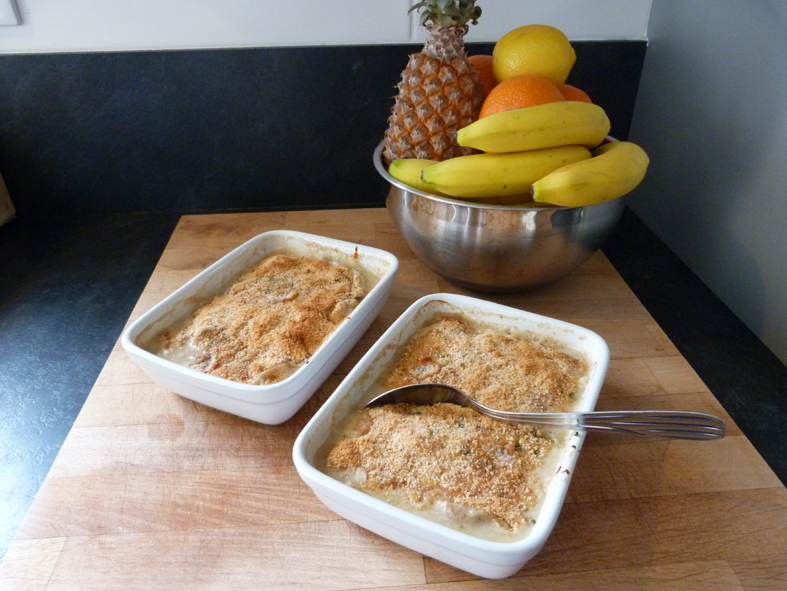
(669, 424)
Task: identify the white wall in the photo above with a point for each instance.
(712, 114)
(109, 25)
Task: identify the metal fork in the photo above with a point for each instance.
(654, 423)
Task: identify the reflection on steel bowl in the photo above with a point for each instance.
(496, 248)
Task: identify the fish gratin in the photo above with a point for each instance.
(449, 463)
(269, 322)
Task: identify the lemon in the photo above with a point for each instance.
(533, 49)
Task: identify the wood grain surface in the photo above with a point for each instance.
(153, 491)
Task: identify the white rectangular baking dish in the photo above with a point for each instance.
(475, 555)
(275, 403)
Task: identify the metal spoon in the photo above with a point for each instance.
(670, 424)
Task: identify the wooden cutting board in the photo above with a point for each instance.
(153, 491)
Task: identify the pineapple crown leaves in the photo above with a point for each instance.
(447, 13)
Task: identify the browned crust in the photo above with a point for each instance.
(446, 452)
(499, 370)
(271, 320)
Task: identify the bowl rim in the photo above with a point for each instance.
(378, 164)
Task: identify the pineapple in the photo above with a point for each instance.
(439, 92)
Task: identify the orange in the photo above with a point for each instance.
(483, 63)
(572, 93)
(534, 49)
(519, 92)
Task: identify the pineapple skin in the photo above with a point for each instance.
(439, 93)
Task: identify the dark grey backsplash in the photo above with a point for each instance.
(225, 130)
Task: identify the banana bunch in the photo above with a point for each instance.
(490, 175)
(543, 152)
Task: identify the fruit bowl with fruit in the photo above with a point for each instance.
(503, 177)
(496, 248)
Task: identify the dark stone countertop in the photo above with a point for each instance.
(68, 285)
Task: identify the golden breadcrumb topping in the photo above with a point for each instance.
(447, 452)
(499, 370)
(450, 453)
(270, 321)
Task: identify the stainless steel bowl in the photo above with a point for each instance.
(496, 248)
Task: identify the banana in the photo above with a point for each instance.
(495, 175)
(408, 171)
(614, 170)
(543, 126)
